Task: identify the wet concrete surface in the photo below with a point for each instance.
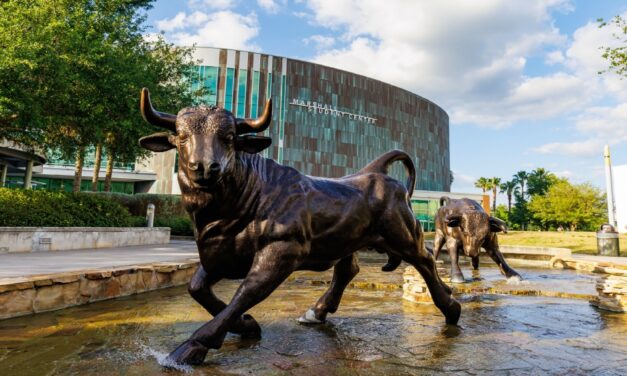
(374, 332)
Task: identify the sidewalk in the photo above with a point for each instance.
(37, 263)
(45, 281)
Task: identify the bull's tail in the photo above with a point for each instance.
(382, 163)
(444, 200)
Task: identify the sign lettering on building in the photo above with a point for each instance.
(325, 109)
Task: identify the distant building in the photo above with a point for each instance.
(326, 122)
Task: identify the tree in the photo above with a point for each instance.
(578, 207)
(508, 188)
(494, 184)
(71, 72)
(502, 212)
(483, 184)
(616, 56)
(539, 181)
(521, 179)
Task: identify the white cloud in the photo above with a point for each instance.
(477, 76)
(554, 57)
(564, 174)
(601, 126)
(217, 29)
(211, 4)
(320, 41)
(577, 148)
(271, 6)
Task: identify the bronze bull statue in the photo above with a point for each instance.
(260, 221)
(464, 226)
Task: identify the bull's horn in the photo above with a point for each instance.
(160, 119)
(256, 125)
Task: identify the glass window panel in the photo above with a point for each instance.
(228, 89)
(254, 96)
(241, 93)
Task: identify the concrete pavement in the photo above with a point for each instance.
(38, 263)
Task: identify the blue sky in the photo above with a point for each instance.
(518, 78)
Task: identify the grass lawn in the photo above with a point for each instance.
(578, 242)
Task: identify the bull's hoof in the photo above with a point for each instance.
(453, 312)
(189, 352)
(309, 318)
(247, 327)
(457, 278)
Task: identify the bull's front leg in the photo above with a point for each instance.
(456, 273)
(492, 248)
(200, 288)
(271, 267)
(343, 273)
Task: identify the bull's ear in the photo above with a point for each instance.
(498, 225)
(251, 143)
(453, 220)
(162, 141)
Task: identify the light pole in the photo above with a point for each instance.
(609, 186)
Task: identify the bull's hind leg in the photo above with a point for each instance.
(343, 272)
(403, 235)
(200, 288)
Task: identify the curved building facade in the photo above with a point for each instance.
(328, 122)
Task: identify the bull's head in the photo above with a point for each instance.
(475, 227)
(206, 137)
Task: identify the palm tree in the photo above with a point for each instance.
(482, 183)
(521, 178)
(508, 188)
(494, 184)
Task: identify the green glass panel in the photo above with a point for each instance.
(241, 93)
(228, 89)
(254, 96)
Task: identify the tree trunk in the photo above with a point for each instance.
(109, 172)
(494, 200)
(78, 169)
(94, 179)
(509, 203)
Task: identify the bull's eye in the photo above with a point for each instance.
(229, 137)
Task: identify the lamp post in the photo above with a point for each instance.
(609, 186)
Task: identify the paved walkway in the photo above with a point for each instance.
(37, 263)
(618, 261)
(31, 264)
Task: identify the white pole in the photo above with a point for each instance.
(609, 186)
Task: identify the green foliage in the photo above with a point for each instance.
(71, 72)
(181, 226)
(576, 206)
(165, 205)
(539, 181)
(501, 212)
(50, 209)
(617, 56)
(169, 210)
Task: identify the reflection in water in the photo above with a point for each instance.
(374, 333)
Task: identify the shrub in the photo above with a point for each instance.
(20, 207)
(165, 205)
(180, 225)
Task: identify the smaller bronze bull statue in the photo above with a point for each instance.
(259, 221)
(463, 225)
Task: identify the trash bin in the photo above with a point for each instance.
(607, 241)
